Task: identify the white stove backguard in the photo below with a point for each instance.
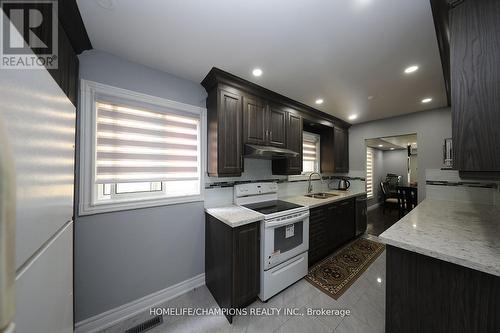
(255, 192)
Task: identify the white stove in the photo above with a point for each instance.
(284, 236)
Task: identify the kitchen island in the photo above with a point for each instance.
(443, 269)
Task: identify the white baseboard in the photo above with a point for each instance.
(125, 311)
(374, 206)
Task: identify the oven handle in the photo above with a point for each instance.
(290, 265)
(275, 224)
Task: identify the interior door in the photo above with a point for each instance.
(277, 126)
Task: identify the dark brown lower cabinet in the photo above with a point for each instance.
(232, 263)
(425, 294)
(330, 227)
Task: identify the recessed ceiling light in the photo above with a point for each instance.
(257, 72)
(411, 69)
(371, 97)
(427, 100)
(319, 101)
(379, 280)
(106, 4)
(352, 116)
(392, 148)
(380, 145)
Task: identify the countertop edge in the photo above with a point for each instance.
(210, 212)
(440, 256)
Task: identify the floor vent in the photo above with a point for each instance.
(146, 326)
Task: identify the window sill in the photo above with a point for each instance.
(116, 206)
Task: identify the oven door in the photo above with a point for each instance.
(284, 238)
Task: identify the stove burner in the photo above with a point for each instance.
(270, 207)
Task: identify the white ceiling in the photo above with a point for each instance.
(393, 142)
(340, 50)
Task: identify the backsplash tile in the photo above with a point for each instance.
(447, 185)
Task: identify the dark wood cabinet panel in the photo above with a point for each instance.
(277, 126)
(327, 157)
(66, 73)
(341, 149)
(330, 227)
(318, 240)
(232, 263)
(294, 133)
(246, 249)
(295, 141)
(254, 121)
(264, 124)
(334, 149)
(475, 86)
(425, 294)
(229, 133)
(224, 133)
(346, 217)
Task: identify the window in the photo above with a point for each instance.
(138, 150)
(369, 172)
(310, 151)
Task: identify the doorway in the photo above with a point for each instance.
(391, 161)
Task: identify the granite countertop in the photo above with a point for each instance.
(234, 216)
(465, 234)
(312, 202)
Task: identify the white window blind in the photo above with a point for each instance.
(369, 172)
(310, 152)
(134, 145)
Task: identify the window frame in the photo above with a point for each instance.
(304, 175)
(88, 197)
(318, 152)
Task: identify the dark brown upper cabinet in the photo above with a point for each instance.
(224, 114)
(475, 87)
(291, 166)
(263, 124)
(254, 121)
(334, 149)
(277, 118)
(241, 112)
(341, 149)
(66, 73)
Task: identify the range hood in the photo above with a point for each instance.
(268, 152)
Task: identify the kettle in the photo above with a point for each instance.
(344, 184)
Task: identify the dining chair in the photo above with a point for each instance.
(386, 197)
(407, 199)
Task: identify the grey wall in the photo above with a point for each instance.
(432, 127)
(123, 256)
(396, 162)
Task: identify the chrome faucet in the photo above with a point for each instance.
(309, 186)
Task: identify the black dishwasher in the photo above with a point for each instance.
(361, 214)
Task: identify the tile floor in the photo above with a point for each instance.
(365, 299)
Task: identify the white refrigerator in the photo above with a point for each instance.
(37, 136)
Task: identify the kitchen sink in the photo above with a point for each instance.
(321, 195)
